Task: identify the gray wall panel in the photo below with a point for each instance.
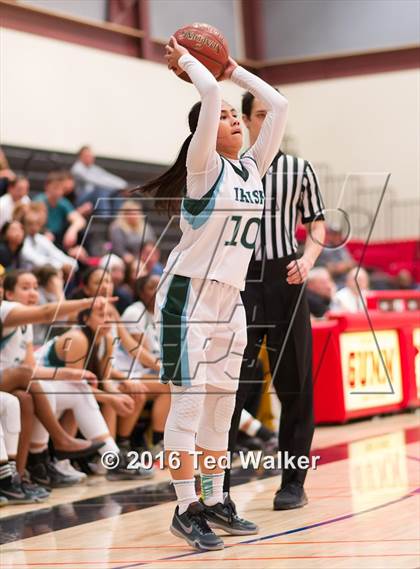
(88, 9)
(304, 28)
(166, 16)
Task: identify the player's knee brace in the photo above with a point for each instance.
(183, 418)
(215, 421)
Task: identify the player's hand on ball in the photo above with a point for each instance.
(298, 270)
(173, 52)
(230, 68)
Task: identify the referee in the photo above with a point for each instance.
(276, 305)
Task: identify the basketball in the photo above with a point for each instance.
(206, 44)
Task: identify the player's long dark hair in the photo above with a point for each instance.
(169, 187)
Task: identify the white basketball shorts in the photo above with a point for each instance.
(202, 330)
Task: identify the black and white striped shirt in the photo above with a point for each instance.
(291, 193)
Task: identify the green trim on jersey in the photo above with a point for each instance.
(242, 171)
(197, 211)
(174, 348)
(50, 357)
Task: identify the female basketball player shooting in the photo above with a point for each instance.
(199, 310)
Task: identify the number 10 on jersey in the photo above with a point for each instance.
(243, 232)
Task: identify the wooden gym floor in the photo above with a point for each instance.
(363, 512)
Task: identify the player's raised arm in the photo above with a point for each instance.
(202, 150)
(268, 142)
(197, 155)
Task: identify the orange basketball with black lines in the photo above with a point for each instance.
(206, 44)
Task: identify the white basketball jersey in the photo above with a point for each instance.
(137, 320)
(14, 341)
(219, 230)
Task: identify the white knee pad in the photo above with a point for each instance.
(215, 420)
(183, 418)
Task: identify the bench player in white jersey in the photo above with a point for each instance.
(199, 311)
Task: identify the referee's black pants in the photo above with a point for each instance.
(279, 312)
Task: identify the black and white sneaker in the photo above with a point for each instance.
(192, 526)
(15, 493)
(32, 491)
(43, 472)
(38, 492)
(224, 516)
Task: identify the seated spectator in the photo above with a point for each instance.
(380, 280)
(17, 192)
(38, 250)
(335, 256)
(95, 281)
(50, 284)
(12, 236)
(6, 174)
(138, 318)
(348, 299)
(63, 221)
(320, 290)
(116, 267)
(139, 359)
(129, 231)
(94, 182)
(20, 211)
(404, 280)
(50, 289)
(39, 208)
(150, 259)
(135, 270)
(122, 400)
(69, 186)
(17, 313)
(70, 194)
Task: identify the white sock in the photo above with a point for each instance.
(109, 446)
(212, 488)
(185, 493)
(253, 426)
